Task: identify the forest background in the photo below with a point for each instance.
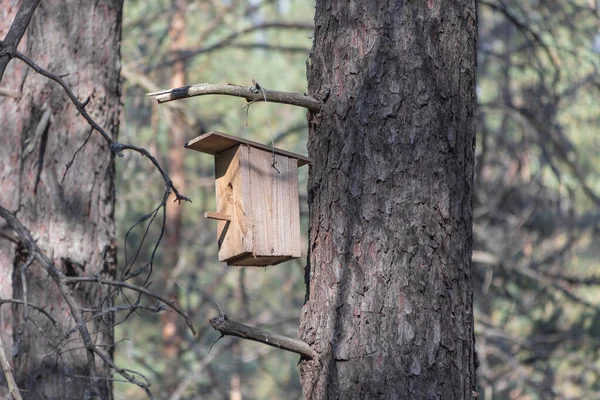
(536, 207)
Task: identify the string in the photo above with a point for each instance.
(273, 162)
(246, 121)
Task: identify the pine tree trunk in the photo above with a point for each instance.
(171, 334)
(389, 292)
(71, 219)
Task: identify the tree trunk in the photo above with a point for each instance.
(389, 293)
(171, 334)
(71, 219)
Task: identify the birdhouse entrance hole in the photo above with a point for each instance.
(258, 215)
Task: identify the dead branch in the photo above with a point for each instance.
(251, 94)
(61, 282)
(59, 279)
(184, 55)
(232, 328)
(138, 289)
(38, 308)
(15, 33)
(13, 389)
(116, 147)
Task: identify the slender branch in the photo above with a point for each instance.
(271, 47)
(78, 105)
(138, 289)
(137, 78)
(111, 310)
(21, 327)
(59, 279)
(13, 389)
(115, 147)
(61, 282)
(124, 372)
(184, 55)
(248, 93)
(38, 308)
(232, 328)
(15, 33)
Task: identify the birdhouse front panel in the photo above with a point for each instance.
(275, 209)
(258, 212)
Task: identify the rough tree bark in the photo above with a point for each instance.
(389, 295)
(71, 219)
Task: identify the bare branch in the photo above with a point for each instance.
(184, 55)
(59, 279)
(115, 147)
(16, 32)
(21, 327)
(273, 96)
(271, 47)
(232, 328)
(138, 289)
(111, 310)
(13, 389)
(38, 308)
(61, 282)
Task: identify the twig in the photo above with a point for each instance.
(116, 147)
(133, 307)
(271, 47)
(273, 96)
(61, 282)
(13, 389)
(38, 308)
(21, 328)
(232, 328)
(59, 279)
(78, 105)
(184, 55)
(70, 163)
(139, 289)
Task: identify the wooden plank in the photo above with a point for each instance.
(217, 142)
(262, 202)
(294, 211)
(274, 203)
(251, 261)
(231, 180)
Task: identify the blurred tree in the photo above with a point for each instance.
(389, 289)
(536, 218)
(178, 128)
(69, 211)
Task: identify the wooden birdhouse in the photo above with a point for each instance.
(257, 200)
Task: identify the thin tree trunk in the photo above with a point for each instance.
(389, 296)
(171, 334)
(71, 219)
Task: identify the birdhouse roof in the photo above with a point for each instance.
(216, 142)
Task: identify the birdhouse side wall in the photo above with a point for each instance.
(274, 203)
(232, 185)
